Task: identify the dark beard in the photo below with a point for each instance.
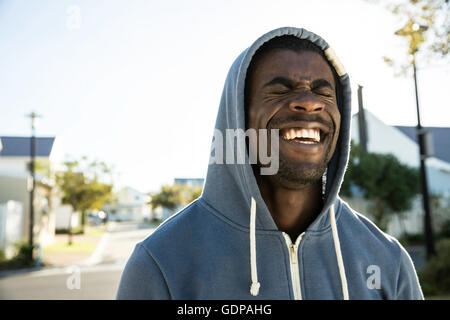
(297, 175)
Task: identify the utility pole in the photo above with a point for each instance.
(421, 134)
(33, 117)
(414, 33)
(362, 125)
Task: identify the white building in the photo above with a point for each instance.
(15, 153)
(130, 205)
(15, 187)
(399, 141)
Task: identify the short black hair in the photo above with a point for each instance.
(288, 42)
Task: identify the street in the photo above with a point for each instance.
(96, 278)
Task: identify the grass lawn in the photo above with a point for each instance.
(95, 232)
(85, 243)
(76, 247)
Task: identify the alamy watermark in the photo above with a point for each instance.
(73, 20)
(235, 143)
(374, 279)
(74, 280)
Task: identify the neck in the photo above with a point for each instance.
(293, 210)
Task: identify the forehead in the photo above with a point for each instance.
(303, 65)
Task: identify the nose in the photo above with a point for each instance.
(306, 103)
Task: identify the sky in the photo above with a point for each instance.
(137, 83)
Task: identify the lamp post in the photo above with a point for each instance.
(33, 117)
(363, 139)
(414, 33)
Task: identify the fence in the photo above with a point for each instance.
(11, 226)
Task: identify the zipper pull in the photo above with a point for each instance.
(293, 253)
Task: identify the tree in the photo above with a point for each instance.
(43, 167)
(170, 197)
(173, 196)
(82, 187)
(382, 179)
(194, 193)
(440, 205)
(426, 25)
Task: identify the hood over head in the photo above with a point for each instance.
(201, 251)
(230, 187)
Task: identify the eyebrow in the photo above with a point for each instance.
(289, 83)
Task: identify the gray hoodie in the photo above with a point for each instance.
(226, 245)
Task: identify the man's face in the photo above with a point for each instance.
(295, 92)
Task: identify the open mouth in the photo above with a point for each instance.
(302, 135)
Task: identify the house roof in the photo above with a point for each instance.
(441, 139)
(21, 146)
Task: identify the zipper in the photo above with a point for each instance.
(293, 261)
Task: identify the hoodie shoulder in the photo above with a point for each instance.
(144, 276)
(386, 252)
(142, 279)
(368, 229)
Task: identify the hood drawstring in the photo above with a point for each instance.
(337, 248)
(254, 288)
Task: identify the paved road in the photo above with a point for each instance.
(96, 278)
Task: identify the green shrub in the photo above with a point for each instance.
(435, 277)
(21, 259)
(75, 231)
(410, 239)
(2, 256)
(24, 254)
(445, 230)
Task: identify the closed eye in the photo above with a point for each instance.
(323, 91)
(322, 87)
(325, 94)
(280, 92)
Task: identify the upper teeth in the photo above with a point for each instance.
(293, 133)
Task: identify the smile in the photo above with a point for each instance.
(301, 135)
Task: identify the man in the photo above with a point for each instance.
(276, 236)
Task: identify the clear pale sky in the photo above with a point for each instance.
(138, 84)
